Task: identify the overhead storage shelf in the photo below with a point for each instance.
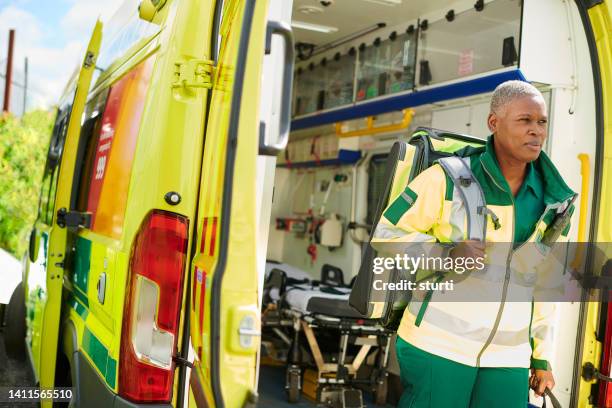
(399, 102)
(430, 59)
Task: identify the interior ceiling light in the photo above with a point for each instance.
(310, 10)
(386, 2)
(313, 27)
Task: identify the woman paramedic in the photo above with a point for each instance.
(449, 355)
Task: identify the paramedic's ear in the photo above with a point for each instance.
(492, 122)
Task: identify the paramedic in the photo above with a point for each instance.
(470, 353)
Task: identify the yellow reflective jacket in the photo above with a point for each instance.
(506, 330)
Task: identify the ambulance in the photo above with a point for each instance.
(200, 140)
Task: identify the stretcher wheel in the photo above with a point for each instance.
(380, 393)
(293, 384)
(15, 330)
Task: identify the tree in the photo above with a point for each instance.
(23, 148)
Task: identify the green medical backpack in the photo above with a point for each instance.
(405, 161)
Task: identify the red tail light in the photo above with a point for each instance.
(151, 313)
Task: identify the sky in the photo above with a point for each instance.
(53, 35)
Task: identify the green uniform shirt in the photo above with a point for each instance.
(528, 205)
(528, 202)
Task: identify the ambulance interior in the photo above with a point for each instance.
(368, 73)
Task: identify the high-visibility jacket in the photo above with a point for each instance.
(508, 329)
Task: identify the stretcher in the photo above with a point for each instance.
(304, 313)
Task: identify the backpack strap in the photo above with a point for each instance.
(471, 194)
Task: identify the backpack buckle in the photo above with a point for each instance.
(465, 181)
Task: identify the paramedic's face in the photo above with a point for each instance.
(520, 127)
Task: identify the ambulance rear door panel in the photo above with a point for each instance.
(225, 316)
(141, 143)
(44, 281)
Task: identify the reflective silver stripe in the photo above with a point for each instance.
(467, 330)
(541, 332)
(406, 197)
(386, 231)
(497, 274)
(412, 243)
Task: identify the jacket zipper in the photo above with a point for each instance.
(506, 278)
(506, 283)
(508, 260)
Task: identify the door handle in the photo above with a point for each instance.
(284, 30)
(73, 219)
(33, 245)
(101, 287)
(249, 332)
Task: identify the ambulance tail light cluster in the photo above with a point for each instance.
(152, 307)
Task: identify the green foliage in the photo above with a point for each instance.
(23, 150)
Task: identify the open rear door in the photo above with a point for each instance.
(224, 312)
(591, 388)
(49, 306)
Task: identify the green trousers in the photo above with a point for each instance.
(434, 382)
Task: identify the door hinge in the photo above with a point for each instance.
(193, 74)
(73, 219)
(182, 361)
(90, 59)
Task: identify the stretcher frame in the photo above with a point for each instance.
(340, 374)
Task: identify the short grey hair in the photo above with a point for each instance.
(510, 90)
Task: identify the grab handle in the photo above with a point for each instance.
(284, 30)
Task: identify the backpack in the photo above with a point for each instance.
(405, 161)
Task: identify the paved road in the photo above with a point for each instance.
(14, 374)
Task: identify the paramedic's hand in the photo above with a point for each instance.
(540, 380)
(468, 249)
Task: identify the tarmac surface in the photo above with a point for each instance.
(14, 374)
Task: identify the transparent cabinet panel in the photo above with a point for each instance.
(309, 90)
(340, 73)
(397, 63)
(301, 97)
(473, 42)
(369, 73)
(386, 67)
